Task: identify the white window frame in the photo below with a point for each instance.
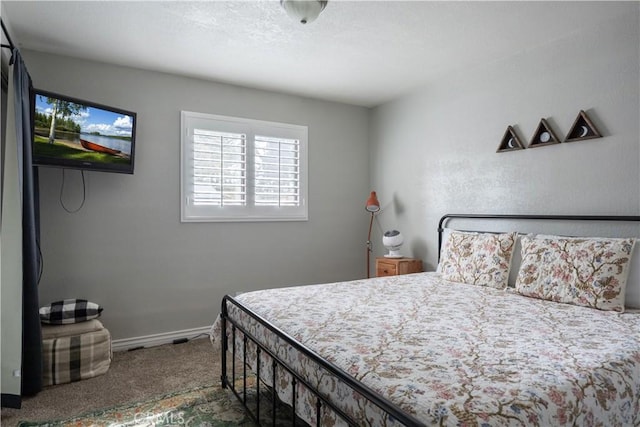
(190, 212)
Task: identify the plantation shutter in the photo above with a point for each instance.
(235, 169)
(219, 168)
(277, 171)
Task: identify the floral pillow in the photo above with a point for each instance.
(590, 272)
(477, 258)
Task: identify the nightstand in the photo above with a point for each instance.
(397, 266)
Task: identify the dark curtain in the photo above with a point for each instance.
(31, 331)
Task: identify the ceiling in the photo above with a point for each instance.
(357, 52)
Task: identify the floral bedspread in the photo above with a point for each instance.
(456, 354)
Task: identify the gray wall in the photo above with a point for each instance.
(428, 153)
(126, 248)
(433, 151)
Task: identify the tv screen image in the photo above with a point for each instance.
(77, 134)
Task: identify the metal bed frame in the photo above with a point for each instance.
(322, 403)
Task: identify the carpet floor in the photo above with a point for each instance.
(209, 406)
(202, 407)
(134, 376)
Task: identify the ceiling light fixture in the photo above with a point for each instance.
(303, 11)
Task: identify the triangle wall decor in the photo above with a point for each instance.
(510, 141)
(582, 128)
(544, 135)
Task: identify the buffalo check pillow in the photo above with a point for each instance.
(69, 311)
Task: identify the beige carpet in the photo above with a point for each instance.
(133, 376)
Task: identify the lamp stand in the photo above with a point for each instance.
(369, 247)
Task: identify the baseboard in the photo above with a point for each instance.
(11, 401)
(158, 339)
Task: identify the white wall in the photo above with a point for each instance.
(126, 248)
(433, 151)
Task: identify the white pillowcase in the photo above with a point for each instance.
(446, 232)
(632, 295)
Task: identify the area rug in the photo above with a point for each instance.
(201, 407)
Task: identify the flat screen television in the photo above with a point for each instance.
(77, 134)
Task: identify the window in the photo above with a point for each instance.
(236, 169)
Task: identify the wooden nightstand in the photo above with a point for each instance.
(397, 266)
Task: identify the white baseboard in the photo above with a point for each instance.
(157, 339)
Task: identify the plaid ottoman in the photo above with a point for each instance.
(75, 351)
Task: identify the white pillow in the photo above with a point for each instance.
(446, 232)
(516, 260)
(632, 295)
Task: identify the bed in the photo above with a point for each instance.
(451, 347)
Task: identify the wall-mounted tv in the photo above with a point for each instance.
(77, 134)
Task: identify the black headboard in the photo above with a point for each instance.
(605, 218)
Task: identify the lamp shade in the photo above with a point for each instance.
(303, 11)
(373, 205)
